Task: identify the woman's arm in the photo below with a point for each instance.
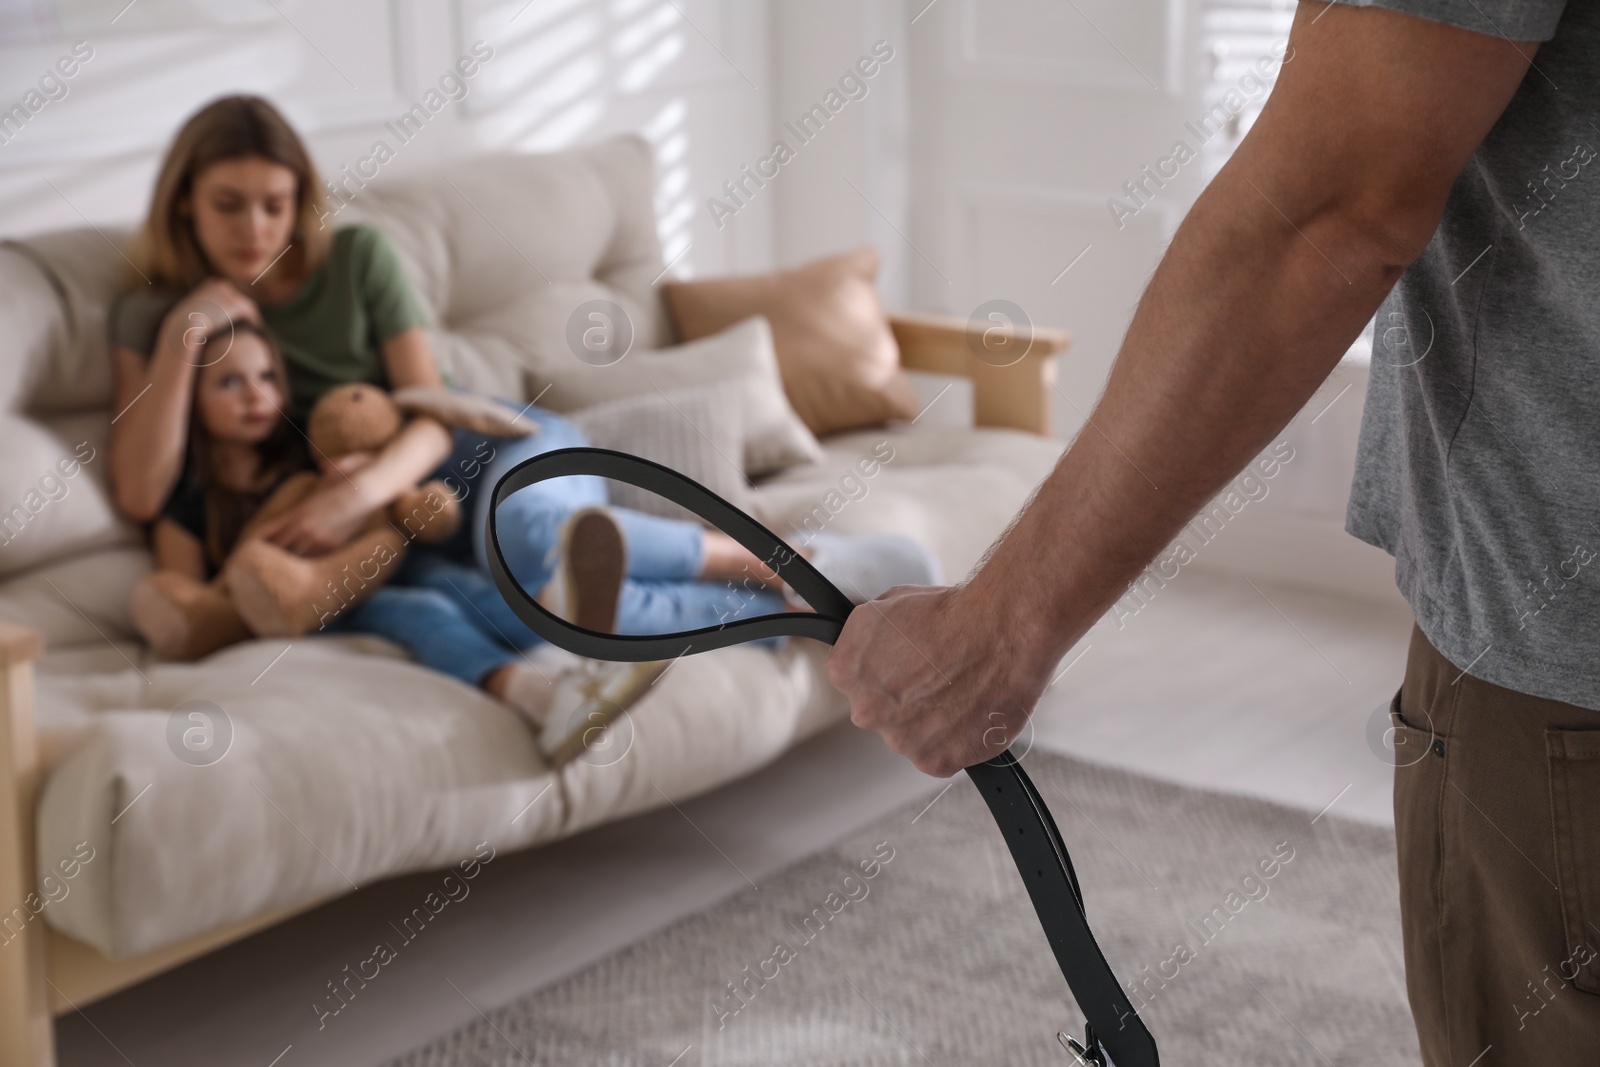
(408, 358)
(151, 423)
(176, 549)
(149, 428)
(332, 515)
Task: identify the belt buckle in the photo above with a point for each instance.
(1088, 1053)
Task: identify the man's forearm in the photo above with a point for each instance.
(1242, 321)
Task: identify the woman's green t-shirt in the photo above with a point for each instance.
(331, 330)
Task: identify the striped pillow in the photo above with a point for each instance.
(697, 431)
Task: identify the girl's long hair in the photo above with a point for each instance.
(227, 510)
(165, 250)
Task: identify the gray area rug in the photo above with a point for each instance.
(1255, 934)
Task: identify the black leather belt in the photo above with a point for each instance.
(1114, 1034)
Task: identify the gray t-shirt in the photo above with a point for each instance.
(1479, 465)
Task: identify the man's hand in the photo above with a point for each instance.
(939, 674)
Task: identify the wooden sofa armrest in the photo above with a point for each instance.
(26, 1034)
(1015, 396)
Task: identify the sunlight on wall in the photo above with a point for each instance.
(566, 67)
(674, 205)
(563, 72)
(647, 46)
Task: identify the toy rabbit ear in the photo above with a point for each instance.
(470, 411)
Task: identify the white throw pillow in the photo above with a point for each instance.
(695, 431)
(774, 436)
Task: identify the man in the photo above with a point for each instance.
(1443, 145)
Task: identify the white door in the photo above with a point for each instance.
(1057, 144)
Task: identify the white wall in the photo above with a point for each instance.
(692, 75)
(1028, 117)
(852, 183)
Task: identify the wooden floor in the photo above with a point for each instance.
(1248, 687)
(1258, 689)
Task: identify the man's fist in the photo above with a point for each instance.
(934, 673)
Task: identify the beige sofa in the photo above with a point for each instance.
(348, 763)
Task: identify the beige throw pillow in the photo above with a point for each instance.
(837, 355)
(774, 438)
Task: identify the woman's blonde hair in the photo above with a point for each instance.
(166, 250)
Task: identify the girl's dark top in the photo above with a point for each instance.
(187, 507)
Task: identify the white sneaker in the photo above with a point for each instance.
(531, 686)
(587, 700)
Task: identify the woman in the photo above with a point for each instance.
(233, 233)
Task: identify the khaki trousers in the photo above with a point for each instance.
(1497, 821)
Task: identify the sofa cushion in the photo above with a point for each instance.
(53, 498)
(55, 289)
(344, 769)
(505, 252)
(334, 777)
(953, 489)
(31, 308)
(81, 599)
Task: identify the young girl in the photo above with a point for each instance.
(240, 448)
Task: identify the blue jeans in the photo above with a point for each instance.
(442, 607)
(529, 521)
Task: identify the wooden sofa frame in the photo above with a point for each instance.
(44, 973)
